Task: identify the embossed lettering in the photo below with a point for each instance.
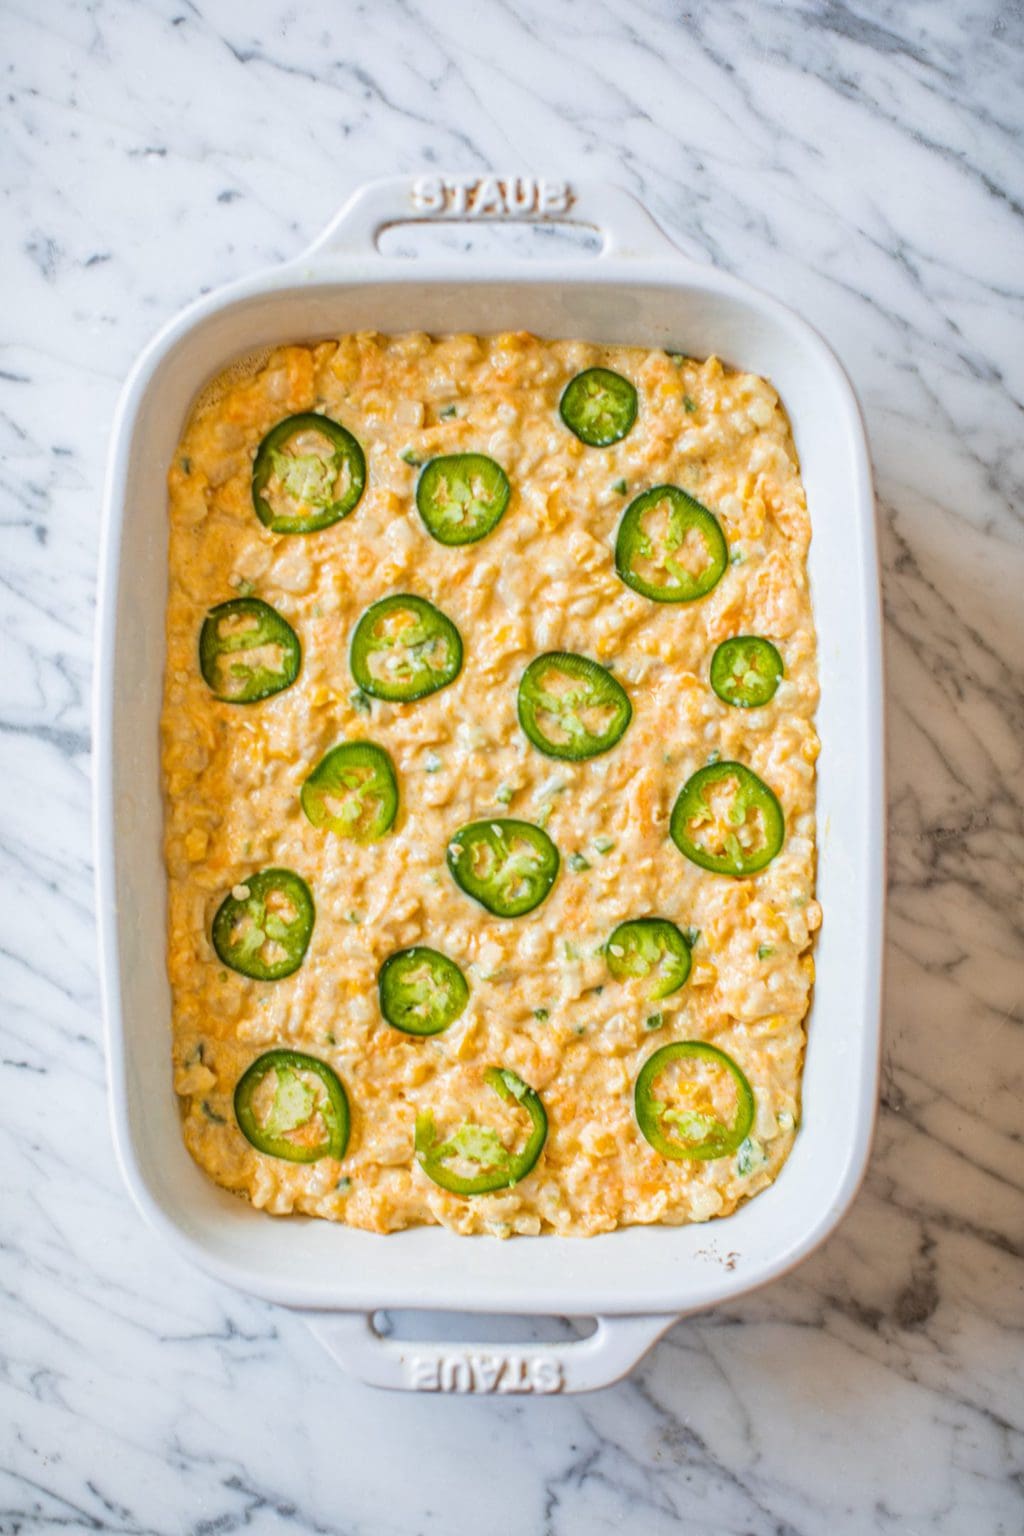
(513, 1378)
(457, 1374)
(554, 197)
(486, 197)
(423, 1374)
(489, 197)
(546, 1374)
(520, 194)
(428, 194)
(458, 195)
(486, 1371)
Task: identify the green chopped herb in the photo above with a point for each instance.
(689, 405)
(579, 1029)
(354, 917)
(409, 457)
(246, 589)
(360, 702)
(666, 758)
(654, 1021)
(186, 466)
(765, 951)
(344, 1183)
(448, 412)
(679, 358)
(329, 1037)
(691, 935)
(604, 844)
(542, 1014)
(247, 848)
(570, 950)
(211, 1114)
(577, 863)
(713, 755)
(620, 487)
(503, 794)
(750, 1157)
(432, 763)
(318, 612)
(737, 557)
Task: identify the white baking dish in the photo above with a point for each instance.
(638, 290)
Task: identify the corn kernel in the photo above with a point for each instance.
(196, 844)
(467, 1044)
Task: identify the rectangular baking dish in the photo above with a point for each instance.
(641, 290)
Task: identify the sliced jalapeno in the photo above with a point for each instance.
(700, 1126)
(404, 648)
(461, 497)
(508, 866)
(727, 820)
(649, 946)
(263, 926)
(309, 472)
(746, 671)
(292, 1106)
(353, 792)
(669, 547)
(247, 651)
(571, 707)
(599, 406)
(421, 991)
(480, 1146)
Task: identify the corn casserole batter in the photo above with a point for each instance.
(445, 876)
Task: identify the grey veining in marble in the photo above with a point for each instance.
(862, 160)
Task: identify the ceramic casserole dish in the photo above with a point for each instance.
(638, 289)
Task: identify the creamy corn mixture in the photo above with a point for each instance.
(542, 1001)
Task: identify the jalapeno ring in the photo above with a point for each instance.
(282, 1125)
(263, 926)
(481, 1144)
(462, 497)
(647, 946)
(309, 472)
(669, 547)
(247, 651)
(508, 866)
(599, 406)
(733, 820)
(572, 708)
(746, 671)
(403, 648)
(692, 1132)
(421, 991)
(353, 792)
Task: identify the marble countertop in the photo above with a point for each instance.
(860, 160)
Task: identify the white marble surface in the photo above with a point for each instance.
(858, 159)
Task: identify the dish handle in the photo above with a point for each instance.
(577, 1365)
(623, 223)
